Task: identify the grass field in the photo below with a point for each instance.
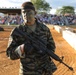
(48, 25)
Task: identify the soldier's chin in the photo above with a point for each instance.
(30, 23)
(26, 21)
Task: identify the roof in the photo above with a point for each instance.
(10, 10)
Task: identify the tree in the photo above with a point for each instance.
(67, 9)
(41, 5)
(58, 11)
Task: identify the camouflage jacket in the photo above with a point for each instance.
(32, 63)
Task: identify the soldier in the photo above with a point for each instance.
(32, 62)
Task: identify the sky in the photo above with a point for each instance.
(53, 3)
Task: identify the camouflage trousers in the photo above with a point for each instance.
(38, 72)
(44, 69)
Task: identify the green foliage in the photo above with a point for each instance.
(66, 9)
(58, 11)
(41, 5)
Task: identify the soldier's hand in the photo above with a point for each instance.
(22, 48)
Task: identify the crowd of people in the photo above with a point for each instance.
(11, 20)
(44, 18)
(58, 20)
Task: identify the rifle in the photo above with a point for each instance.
(39, 45)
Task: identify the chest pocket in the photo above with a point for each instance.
(19, 39)
(42, 35)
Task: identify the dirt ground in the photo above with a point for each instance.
(9, 67)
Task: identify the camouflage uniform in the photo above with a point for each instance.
(32, 63)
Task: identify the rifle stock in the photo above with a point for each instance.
(39, 47)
